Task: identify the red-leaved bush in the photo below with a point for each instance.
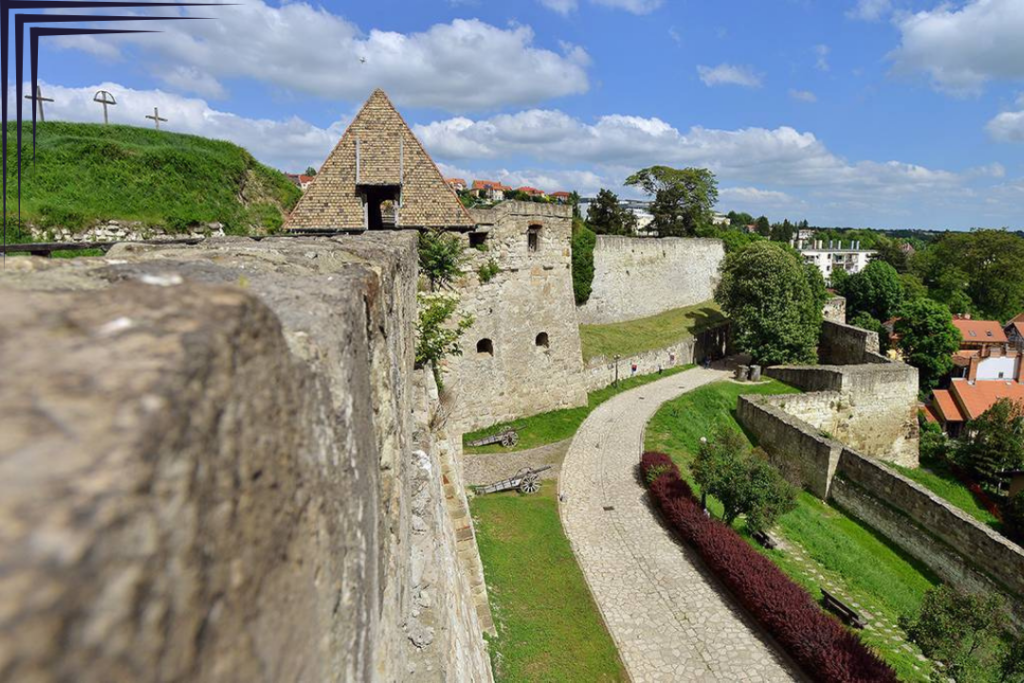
(825, 649)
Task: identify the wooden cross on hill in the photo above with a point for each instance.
(156, 118)
(38, 100)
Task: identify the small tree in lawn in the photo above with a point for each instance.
(994, 442)
(769, 495)
(928, 339)
(718, 469)
(437, 332)
(959, 629)
(441, 257)
(775, 303)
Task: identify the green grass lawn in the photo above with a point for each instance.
(547, 428)
(877, 575)
(945, 485)
(549, 628)
(657, 332)
(84, 173)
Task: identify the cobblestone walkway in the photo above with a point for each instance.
(670, 620)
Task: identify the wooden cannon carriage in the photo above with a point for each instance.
(527, 480)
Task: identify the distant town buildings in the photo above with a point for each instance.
(985, 353)
(300, 180)
(457, 184)
(833, 256)
(639, 208)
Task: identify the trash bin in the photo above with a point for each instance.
(755, 373)
(741, 373)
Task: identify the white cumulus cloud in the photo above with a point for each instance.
(870, 10)
(465, 65)
(803, 96)
(963, 47)
(728, 74)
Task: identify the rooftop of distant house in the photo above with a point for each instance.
(965, 401)
(980, 331)
(299, 178)
(455, 181)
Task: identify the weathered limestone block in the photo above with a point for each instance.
(208, 468)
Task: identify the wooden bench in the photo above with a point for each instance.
(840, 609)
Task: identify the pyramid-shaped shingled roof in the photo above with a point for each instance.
(378, 150)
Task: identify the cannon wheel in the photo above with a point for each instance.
(509, 439)
(530, 484)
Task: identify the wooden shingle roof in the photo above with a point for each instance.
(378, 149)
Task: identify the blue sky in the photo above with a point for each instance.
(880, 113)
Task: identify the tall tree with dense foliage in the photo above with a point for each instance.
(740, 220)
(990, 273)
(764, 228)
(775, 303)
(607, 217)
(960, 629)
(877, 290)
(441, 256)
(684, 199)
(928, 339)
(783, 232)
(993, 442)
(891, 251)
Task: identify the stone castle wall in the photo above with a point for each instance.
(219, 465)
(601, 371)
(640, 277)
(533, 363)
(876, 410)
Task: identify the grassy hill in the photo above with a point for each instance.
(86, 173)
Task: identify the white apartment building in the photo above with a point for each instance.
(832, 256)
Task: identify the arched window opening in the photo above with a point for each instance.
(543, 341)
(533, 238)
(485, 347)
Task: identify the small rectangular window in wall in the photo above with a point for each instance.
(533, 238)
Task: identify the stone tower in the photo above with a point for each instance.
(379, 176)
(522, 355)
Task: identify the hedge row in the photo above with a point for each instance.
(822, 646)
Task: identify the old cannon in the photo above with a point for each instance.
(527, 480)
(507, 438)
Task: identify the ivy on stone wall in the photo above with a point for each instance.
(583, 242)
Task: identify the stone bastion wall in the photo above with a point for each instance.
(638, 277)
(522, 354)
(218, 464)
(838, 435)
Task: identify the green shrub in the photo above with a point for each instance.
(583, 243)
(488, 271)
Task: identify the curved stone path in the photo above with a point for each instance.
(670, 620)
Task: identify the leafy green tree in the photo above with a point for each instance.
(684, 199)
(764, 228)
(1011, 670)
(607, 217)
(740, 220)
(994, 441)
(769, 495)
(735, 240)
(989, 275)
(783, 232)
(583, 242)
(441, 257)
(891, 251)
(718, 470)
(934, 444)
(913, 288)
(775, 303)
(574, 202)
(959, 629)
(928, 339)
(744, 483)
(438, 335)
(864, 321)
(310, 171)
(877, 290)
